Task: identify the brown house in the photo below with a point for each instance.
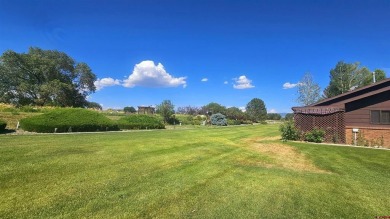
(359, 115)
(146, 110)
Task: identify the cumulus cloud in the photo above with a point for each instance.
(204, 80)
(106, 82)
(242, 108)
(288, 85)
(225, 82)
(147, 74)
(242, 83)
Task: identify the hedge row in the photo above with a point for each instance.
(140, 122)
(3, 124)
(68, 120)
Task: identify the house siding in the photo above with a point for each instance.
(356, 106)
(361, 117)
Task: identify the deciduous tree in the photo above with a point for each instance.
(256, 110)
(345, 77)
(44, 77)
(129, 109)
(166, 110)
(308, 90)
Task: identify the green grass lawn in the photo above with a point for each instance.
(229, 172)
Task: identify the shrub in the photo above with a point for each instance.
(218, 119)
(288, 131)
(68, 119)
(316, 135)
(234, 122)
(140, 122)
(3, 124)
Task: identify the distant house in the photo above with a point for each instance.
(146, 110)
(362, 113)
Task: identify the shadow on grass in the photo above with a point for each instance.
(7, 131)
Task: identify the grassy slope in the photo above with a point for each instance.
(13, 118)
(208, 172)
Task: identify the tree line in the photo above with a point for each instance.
(344, 77)
(255, 110)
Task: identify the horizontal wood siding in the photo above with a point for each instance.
(360, 117)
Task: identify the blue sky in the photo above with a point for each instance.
(194, 52)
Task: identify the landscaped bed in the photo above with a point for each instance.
(233, 172)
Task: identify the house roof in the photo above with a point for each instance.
(359, 93)
(325, 110)
(337, 103)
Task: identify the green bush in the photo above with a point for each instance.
(68, 119)
(288, 131)
(316, 135)
(218, 119)
(233, 122)
(3, 124)
(140, 122)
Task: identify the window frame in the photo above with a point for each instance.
(380, 122)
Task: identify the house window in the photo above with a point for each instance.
(380, 117)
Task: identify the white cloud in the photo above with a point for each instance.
(225, 82)
(106, 82)
(204, 80)
(242, 83)
(147, 74)
(272, 111)
(288, 85)
(242, 108)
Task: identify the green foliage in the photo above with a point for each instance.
(347, 76)
(316, 135)
(218, 119)
(379, 76)
(213, 108)
(233, 122)
(235, 113)
(288, 131)
(256, 110)
(173, 120)
(44, 78)
(129, 109)
(361, 140)
(274, 116)
(93, 105)
(140, 122)
(289, 116)
(166, 110)
(3, 124)
(68, 119)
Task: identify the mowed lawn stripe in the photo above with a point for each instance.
(196, 173)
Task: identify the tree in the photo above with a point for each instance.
(129, 109)
(94, 105)
(44, 77)
(235, 113)
(256, 110)
(289, 116)
(345, 77)
(379, 76)
(166, 110)
(213, 108)
(308, 90)
(274, 116)
(189, 110)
